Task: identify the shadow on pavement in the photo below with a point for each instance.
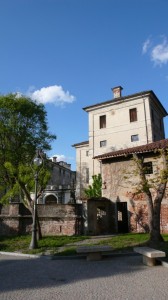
(59, 277)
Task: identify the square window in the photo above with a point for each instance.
(134, 138)
(103, 143)
(87, 153)
(148, 167)
(102, 121)
(133, 114)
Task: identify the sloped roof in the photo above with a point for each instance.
(144, 93)
(162, 144)
(80, 144)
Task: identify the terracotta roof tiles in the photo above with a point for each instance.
(162, 144)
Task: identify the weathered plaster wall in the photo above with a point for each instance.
(121, 183)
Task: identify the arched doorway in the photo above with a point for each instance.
(50, 199)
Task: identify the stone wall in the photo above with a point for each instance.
(55, 219)
(120, 186)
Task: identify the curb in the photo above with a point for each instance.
(82, 256)
(57, 257)
(62, 257)
(24, 255)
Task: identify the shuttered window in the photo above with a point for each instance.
(133, 114)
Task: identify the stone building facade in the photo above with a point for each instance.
(61, 186)
(121, 182)
(119, 123)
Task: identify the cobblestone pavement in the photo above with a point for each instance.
(74, 279)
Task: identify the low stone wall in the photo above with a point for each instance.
(55, 219)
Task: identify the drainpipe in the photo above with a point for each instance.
(147, 138)
(93, 142)
(80, 175)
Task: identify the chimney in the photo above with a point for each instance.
(54, 159)
(117, 91)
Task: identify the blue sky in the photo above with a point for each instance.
(68, 54)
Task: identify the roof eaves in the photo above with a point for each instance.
(80, 144)
(138, 149)
(118, 99)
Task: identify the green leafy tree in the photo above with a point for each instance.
(154, 191)
(23, 130)
(95, 190)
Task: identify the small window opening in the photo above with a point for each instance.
(102, 121)
(133, 114)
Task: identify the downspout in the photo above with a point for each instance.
(100, 167)
(147, 138)
(80, 175)
(103, 183)
(93, 142)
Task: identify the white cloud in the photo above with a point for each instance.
(62, 157)
(52, 94)
(159, 54)
(146, 46)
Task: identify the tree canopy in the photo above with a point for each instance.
(95, 190)
(23, 129)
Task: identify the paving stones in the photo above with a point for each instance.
(117, 278)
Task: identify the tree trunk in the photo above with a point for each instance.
(30, 207)
(155, 234)
(154, 207)
(150, 210)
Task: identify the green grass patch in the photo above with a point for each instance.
(12, 244)
(125, 242)
(65, 245)
(67, 251)
(47, 243)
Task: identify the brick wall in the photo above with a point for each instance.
(120, 186)
(164, 218)
(54, 219)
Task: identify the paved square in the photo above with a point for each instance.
(73, 279)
